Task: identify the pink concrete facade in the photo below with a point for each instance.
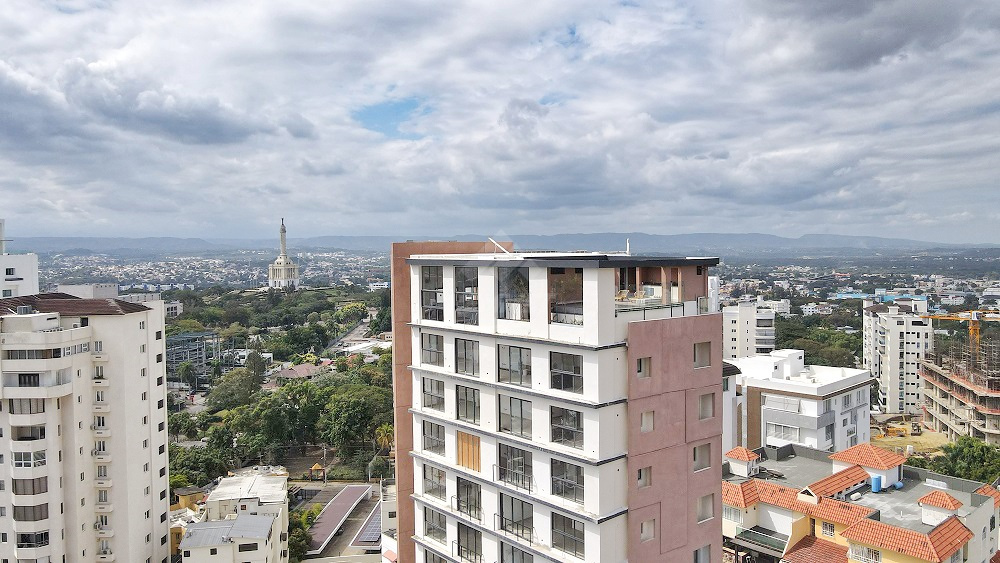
(673, 391)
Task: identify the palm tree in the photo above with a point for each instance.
(384, 436)
(185, 372)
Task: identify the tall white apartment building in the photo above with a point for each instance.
(783, 401)
(896, 339)
(245, 521)
(747, 329)
(83, 441)
(20, 271)
(558, 413)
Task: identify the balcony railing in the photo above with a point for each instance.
(466, 553)
(517, 479)
(763, 537)
(567, 489)
(464, 506)
(516, 527)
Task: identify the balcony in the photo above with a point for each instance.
(45, 387)
(102, 483)
(100, 381)
(103, 508)
(102, 406)
(466, 554)
(103, 530)
(98, 357)
(105, 555)
(514, 528)
(517, 479)
(101, 456)
(100, 431)
(762, 539)
(471, 509)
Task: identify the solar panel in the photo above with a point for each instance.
(372, 532)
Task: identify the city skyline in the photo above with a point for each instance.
(866, 118)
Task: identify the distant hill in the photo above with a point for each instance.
(716, 244)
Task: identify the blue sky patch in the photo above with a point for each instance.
(386, 117)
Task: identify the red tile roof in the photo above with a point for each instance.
(829, 486)
(742, 495)
(867, 455)
(995, 558)
(811, 549)
(937, 546)
(940, 499)
(990, 491)
(753, 491)
(299, 371)
(740, 453)
(69, 305)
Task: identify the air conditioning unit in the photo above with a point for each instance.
(97, 525)
(94, 452)
(93, 427)
(76, 325)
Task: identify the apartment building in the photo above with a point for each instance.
(799, 505)
(83, 441)
(784, 401)
(562, 409)
(961, 388)
(20, 271)
(896, 339)
(245, 520)
(748, 329)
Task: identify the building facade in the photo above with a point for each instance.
(748, 329)
(283, 273)
(896, 339)
(20, 271)
(961, 390)
(557, 414)
(83, 430)
(783, 401)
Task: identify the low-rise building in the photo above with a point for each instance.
(781, 401)
(800, 505)
(20, 271)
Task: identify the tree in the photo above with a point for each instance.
(256, 365)
(384, 436)
(969, 458)
(353, 415)
(352, 313)
(238, 387)
(186, 373)
(182, 423)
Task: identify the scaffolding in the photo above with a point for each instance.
(962, 389)
(199, 348)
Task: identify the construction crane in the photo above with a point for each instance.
(973, 318)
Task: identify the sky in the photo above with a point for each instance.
(421, 118)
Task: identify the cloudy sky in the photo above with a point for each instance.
(215, 118)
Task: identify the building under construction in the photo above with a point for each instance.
(962, 390)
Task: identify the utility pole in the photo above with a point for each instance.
(324, 465)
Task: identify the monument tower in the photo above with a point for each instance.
(283, 272)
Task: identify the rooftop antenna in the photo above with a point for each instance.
(628, 247)
(497, 244)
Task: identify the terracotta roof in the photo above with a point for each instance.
(753, 491)
(937, 546)
(299, 371)
(742, 454)
(995, 558)
(940, 499)
(811, 549)
(829, 486)
(69, 305)
(867, 455)
(990, 491)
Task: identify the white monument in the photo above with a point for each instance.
(283, 272)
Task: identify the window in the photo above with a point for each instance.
(566, 370)
(432, 349)
(782, 432)
(515, 416)
(782, 403)
(470, 544)
(646, 422)
(467, 295)
(702, 457)
(31, 513)
(469, 498)
(467, 403)
(706, 507)
(514, 365)
(567, 535)
(566, 295)
(567, 480)
(642, 367)
(732, 514)
(567, 427)
(828, 529)
(26, 406)
(30, 486)
(514, 467)
(9, 272)
(647, 530)
(247, 547)
(511, 554)
(516, 517)
(432, 293)
(865, 554)
(847, 401)
(829, 432)
(703, 554)
(645, 477)
(827, 405)
(706, 406)
(513, 303)
(433, 394)
(433, 438)
(431, 557)
(467, 356)
(434, 482)
(435, 525)
(702, 354)
(29, 459)
(27, 380)
(468, 450)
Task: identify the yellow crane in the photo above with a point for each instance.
(973, 318)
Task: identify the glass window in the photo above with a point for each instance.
(432, 349)
(642, 366)
(467, 296)
(566, 295)
(702, 354)
(516, 517)
(432, 292)
(567, 535)
(515, 365)
(512, 294)
(706, 507)
(828, 529)
(433, 438)
(732, 514)
(647, 530)
(434, 482)
(706, 406)
(467, 356)
(514, 467)
(469, 498)
(702, 457)
(435, 525)
(567, 427)
(703, 554)
(645, 477)
(515, 416)
(470, 544)
(433, 394)
(431, 557)
(467, 404)
(511, 554)
(567, 372)
(567, 480)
